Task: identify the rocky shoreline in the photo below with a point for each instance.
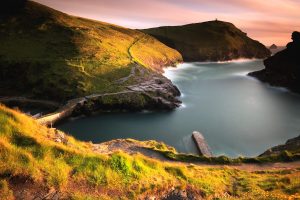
(154, 92)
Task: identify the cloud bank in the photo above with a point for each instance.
(267, 21)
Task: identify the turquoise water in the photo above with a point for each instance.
(237, 115)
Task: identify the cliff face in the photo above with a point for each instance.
(209, 41)
(283, 69)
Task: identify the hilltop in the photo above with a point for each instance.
(209, 41)
(47, 54)
(40, 162)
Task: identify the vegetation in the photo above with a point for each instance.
(28, 151)
(285, 156)
(209, 41)
(63, 56)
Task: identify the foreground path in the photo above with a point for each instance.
(135, 147)
(268, 166)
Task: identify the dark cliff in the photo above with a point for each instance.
(283, 69)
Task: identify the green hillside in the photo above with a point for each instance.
(45, 53)
(45, 162)
(209, 41)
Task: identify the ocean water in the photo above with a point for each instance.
(237, 114)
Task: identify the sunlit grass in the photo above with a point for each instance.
(62, 56)
(27, 150)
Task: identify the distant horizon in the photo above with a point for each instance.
(269, 23)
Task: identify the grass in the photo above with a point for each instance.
(62, 56)
(5, 192)
(27, 149)
(209, 41)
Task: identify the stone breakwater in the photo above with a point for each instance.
(153, 91)
(156, 93)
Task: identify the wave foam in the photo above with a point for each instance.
(240, 60)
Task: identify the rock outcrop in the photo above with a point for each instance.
(283, 69)
(273, 46)
(292, 145)
(154, 93)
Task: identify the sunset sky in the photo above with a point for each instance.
(267, 21)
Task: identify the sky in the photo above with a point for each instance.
(263, 20)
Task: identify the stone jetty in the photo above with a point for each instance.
(201, 144)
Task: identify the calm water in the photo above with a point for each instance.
(238, 115)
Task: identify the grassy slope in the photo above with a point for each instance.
(62, 56)
(27, 151)
(212, 40)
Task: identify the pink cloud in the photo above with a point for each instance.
(266, 21)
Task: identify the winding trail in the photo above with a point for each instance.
(130, 47)
(132, 74)
(136, 64)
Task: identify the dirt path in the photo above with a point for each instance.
(130, 47)
(136, 63)
(132, 74)
(136, 147)
(268, 166)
